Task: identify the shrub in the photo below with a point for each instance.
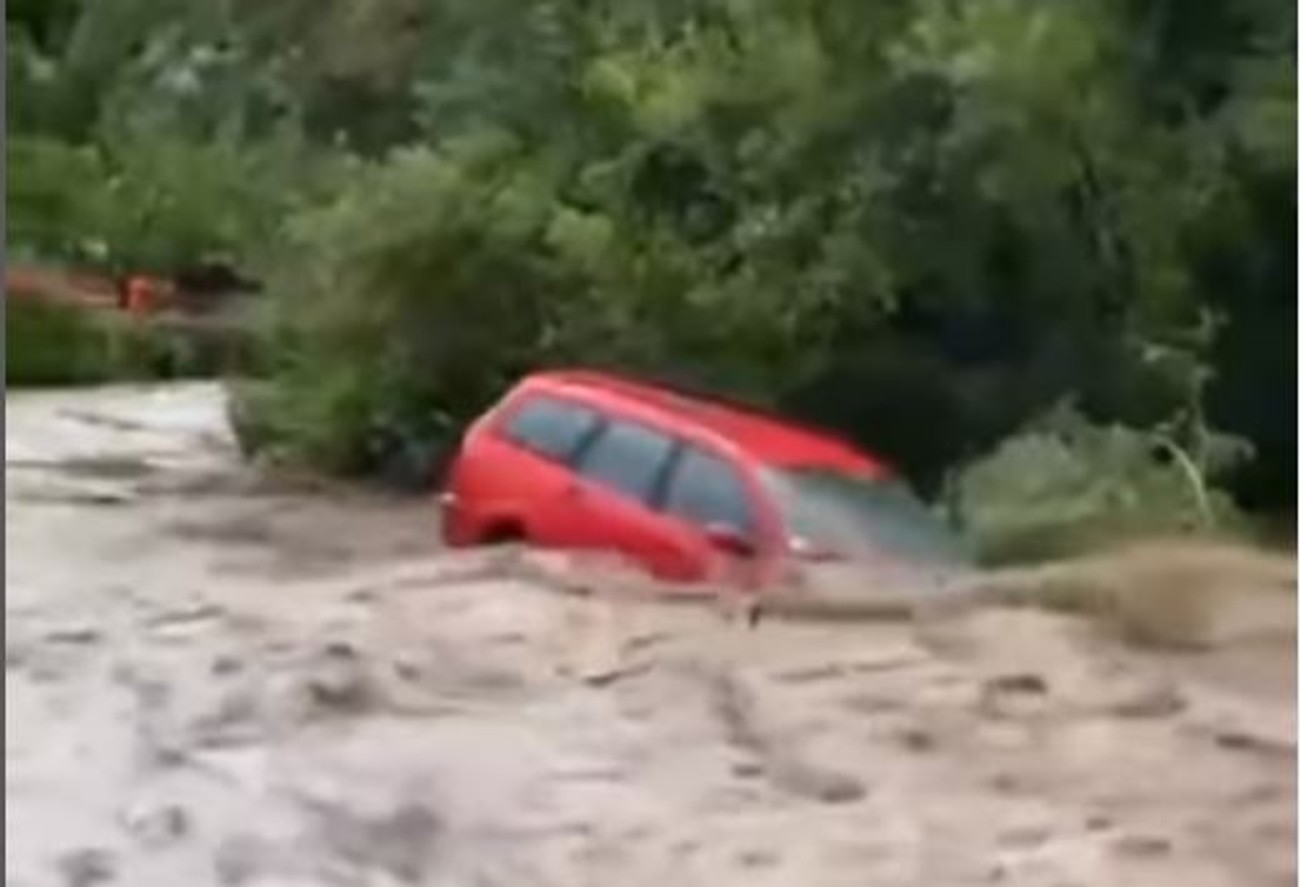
(1065, 485)
(50, 344)
(405, 304)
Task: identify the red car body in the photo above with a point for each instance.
(588, 460)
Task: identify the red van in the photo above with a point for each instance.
(683, 484)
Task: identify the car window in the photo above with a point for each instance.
(856, 515)
(551, 427)
(627, 457)
(706, 489)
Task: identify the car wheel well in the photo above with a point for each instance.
(503, 532)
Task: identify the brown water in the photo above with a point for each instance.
(211, 679)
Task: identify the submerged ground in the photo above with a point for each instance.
(216, 679)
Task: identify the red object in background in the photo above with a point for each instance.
(141, 296)
(201, 291)
(147, 295)
(692, 488)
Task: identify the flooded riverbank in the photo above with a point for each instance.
(216, 679)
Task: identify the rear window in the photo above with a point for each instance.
(706, 489)
(627, 457)
(551, 427)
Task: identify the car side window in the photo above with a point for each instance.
(627, 457)
(706, 489)
(551, 427)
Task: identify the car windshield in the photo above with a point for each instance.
(855, 515)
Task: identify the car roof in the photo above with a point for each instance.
(765, 436)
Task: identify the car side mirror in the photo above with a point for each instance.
(728, 538)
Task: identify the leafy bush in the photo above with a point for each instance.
(52, 345)
(56, 198)
(407, 303)
(148, 203)
(1065, 485)
(49, 344)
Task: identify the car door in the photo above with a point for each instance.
(708, 494)
(525, 475)
(618, 480)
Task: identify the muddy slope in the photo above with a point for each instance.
(214, 680)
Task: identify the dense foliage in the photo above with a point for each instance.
(921, 221)
(56, 345)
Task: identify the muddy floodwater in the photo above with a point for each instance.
(213, 678)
